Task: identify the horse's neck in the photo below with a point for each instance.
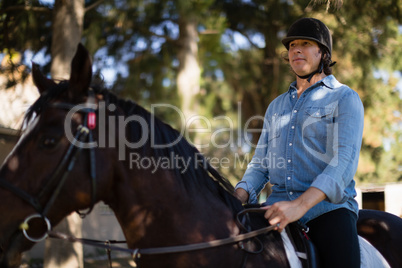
(162, 215)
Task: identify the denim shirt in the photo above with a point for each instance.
(311, 141)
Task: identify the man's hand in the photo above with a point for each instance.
(286, 212)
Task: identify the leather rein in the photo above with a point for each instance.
(138, 252)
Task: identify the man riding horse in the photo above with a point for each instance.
(316, 127)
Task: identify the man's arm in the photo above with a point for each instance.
(242, 195)
(285, 212)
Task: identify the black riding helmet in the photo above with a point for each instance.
(310, 29)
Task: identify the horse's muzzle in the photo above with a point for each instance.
(10, 260)
(11, 253)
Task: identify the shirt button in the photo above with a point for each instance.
(290, 144)
(290, 193)
(293, 96)
(293, 127)
(289, 161)
(288, 178)
(295, 111)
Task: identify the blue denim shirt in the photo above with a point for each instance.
(309, 141)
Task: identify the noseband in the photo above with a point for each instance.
(56, 182)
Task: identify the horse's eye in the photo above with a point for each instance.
(49, 142)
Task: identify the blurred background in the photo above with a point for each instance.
(215, 58)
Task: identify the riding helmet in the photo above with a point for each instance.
(310, 29)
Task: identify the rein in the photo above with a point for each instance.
(138, 252)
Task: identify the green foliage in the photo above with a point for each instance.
(141, 37)
(24, 25)
(365, 47)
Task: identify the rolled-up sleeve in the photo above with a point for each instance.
(346, 144)
(257, 174)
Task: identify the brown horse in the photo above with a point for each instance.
(81, 145)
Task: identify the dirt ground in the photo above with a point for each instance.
(90, 263)
(116, 263)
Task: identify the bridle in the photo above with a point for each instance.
(57, 180)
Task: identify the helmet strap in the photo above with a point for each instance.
(310, 75)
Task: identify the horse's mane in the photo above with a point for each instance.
(199, 174)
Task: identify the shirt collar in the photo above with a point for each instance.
(331, 82)
(328, 81)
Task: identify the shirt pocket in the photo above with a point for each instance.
(318, 121)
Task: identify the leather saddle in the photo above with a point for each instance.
(297, 233)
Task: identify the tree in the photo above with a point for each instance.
(362, 44)
(367, 46)
(18, 21)
(67, 27)
(149, 43)
(66, 31)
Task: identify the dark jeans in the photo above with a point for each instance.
(335, 236)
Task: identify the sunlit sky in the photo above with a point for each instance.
(46, 1)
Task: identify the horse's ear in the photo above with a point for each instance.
(81, 71)
(40, 81)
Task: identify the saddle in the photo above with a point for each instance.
(296, 232)
(304, 247)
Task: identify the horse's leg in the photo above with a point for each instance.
(384, 231)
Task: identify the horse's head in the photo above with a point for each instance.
(48, 174)
(52, 171)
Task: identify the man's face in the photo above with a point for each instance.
(304, 56)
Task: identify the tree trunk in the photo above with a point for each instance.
(188, 77)
(68, 18)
